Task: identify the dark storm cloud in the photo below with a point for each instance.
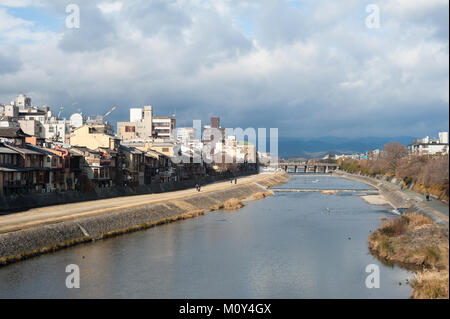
(310, 68)
(95, 32)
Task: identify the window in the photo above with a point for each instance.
(165, 149)
(130, 129)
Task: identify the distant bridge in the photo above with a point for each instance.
(306, 167)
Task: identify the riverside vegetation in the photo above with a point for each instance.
(414, 241)
(421, 173)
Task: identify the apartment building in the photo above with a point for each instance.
(430, 146)
(143, 126)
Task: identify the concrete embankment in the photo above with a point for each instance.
(25, 243)
(396, 198)
(19, 202)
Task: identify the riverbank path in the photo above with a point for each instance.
(59, 213)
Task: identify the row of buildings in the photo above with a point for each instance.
(430, 146)
(424, 146)
(42, 152)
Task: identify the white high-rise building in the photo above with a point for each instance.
(185, 134)
(443, 137)
(428, 146)
(22, 101)
(143, 126)
(136, 115)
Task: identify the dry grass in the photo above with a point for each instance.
(414, 240)
(216, 207)
(233, 204)
(278, 179)
(430, 284)
(262, 195)
(37, 252)
(163, 221)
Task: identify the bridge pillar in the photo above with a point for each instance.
(326, 169)
(295, 169)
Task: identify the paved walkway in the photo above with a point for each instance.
(58, 213)
(433, 204)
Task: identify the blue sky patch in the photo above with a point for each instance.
(42, 18)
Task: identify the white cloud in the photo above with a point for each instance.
(108, 7)
(313, 61)
(18, 3)
(8, 22)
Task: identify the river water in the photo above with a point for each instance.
(290, 245)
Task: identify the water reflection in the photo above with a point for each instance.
(290, 245)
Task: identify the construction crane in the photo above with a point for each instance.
(109, 112)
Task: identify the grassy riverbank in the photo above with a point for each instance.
(414, 241)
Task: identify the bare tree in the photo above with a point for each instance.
(392, 155)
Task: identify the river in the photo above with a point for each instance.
(290, 245)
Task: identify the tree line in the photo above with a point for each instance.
(423, 173)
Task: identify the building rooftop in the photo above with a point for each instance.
(131, 150)
(23, 150)
(11, 132)
(6, 150)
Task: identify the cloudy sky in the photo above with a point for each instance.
(311, 68)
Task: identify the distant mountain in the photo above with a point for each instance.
(319, 147)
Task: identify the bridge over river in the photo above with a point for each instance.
(305, 167)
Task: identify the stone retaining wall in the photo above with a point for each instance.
(26, 243)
